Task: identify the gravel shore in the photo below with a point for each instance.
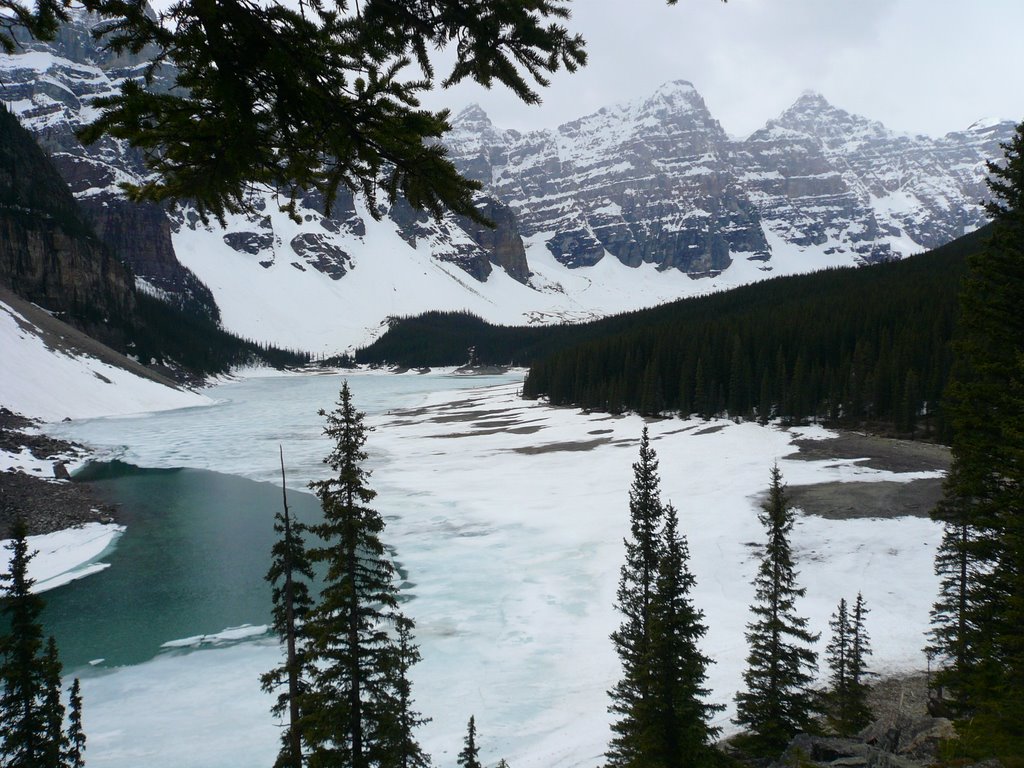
(46, 504)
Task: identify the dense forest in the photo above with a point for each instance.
(851, 346)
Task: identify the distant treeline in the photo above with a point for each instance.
(161, 333)
(867, 346)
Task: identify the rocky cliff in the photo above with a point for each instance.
(49, 254)
(659, 181)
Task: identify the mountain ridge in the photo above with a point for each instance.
(630, 206)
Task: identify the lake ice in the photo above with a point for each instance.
(509, 517)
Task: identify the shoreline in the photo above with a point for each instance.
(34, 483)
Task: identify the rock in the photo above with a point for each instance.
(806, 751)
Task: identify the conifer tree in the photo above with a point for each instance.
(397, 732)
(777, 702)
(350, 704)
(978, 618)
(637, 584)
(469, 757)
(290, 575)
(859, 674)
(55, 743)
(678, 730)
(75, 754)
(23, 676)
(837, 653)
(847, 708)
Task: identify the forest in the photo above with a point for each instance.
(856, 347)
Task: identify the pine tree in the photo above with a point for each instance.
(350, 704)
(23, 725)
(469, 757)
(290, 575)
(633, 600)
(678, 730)
(74, 757)
(777, 702)
(978, 617)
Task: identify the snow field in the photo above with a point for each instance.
(48, 384)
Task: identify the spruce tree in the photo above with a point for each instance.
(847, 708)
(74, 757)
(777, 703)
(469, 757)
(837, 653)
(290, 575)
(23, 673)
(637, 584)
(55, 743)
(351, 701)
(677, 730)
(397, 732)
(977, 620)
(860, 712)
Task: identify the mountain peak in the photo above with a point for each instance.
(474, 114)
(676, 94)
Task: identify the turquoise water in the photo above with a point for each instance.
(197, 542)
(192, 561)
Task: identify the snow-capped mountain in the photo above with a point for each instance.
(659, 181)
(628, 207)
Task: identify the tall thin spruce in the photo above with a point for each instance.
(630, 696)
(352, 703)
(677, 727)
(778, 702)
(290, 575)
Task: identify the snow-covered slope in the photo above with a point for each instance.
(46, 374)
(633, 205)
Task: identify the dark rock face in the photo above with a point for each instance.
(48, 252)
(321, 254)
(502, 243)
(77, 70)
(445, 239)
(253, 243)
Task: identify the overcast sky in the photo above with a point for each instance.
(918, 66)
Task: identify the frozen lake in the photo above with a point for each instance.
(508, 516)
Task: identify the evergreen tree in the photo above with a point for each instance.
(859, 674)
(847, 710)
(978, 618)
(74, 757)
(777, 702)
(347, 712)
(290, 575)
(404, 750)
(469, 757)
(23, 673)
(837, 653)
(678, 730)
(55, 743)
(637, 584)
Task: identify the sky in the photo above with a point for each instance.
(918, 66)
